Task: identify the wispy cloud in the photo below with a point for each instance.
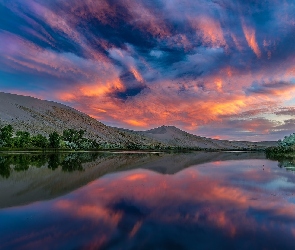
(198, 65)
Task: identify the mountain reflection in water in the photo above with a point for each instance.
(225, 204)
(32, 177)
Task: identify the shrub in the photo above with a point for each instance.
(22, 139)
(39, 141)
(54, 140)
(6, 136)
(288, 141)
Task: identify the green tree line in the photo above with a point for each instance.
(286, 145)
(70, 139)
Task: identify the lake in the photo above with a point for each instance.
(201, 200)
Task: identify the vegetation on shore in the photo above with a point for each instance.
(285, 146)
(76, 140)
(70, 139)
(284, 153)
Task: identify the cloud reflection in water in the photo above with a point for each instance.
(233, 204)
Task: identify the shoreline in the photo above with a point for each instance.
(121, 151)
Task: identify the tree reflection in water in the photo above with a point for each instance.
(67, 161)
(286, 160)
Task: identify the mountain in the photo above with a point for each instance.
(39, 116)
(178, 138)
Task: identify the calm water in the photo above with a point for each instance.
(146, 201)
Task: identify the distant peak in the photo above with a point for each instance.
(162, 129)
(158, 130)
(166, 126)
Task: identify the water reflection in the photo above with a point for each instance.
(287, 164)
(46, 176)
(238, 204)
(70, 162)
(285, 160)
(21, 162)
(32, 177)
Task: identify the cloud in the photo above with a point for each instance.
(252, 129)
(272, 88)
(286, 111)
(251, 40)
(185, 63)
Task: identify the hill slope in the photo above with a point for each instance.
(38, 116)
(174, 136)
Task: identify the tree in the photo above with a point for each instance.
(6, 136)
(39, 141)
(72, 135)
(22, 139)
(54, 140)
(74, 139)
(132, 145)
(87, 144)
(288, 141)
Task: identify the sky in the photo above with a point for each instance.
(223, 69)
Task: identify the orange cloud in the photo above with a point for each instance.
(101, 89)
(251, 40)
(136, 74)
(135, 177)
(218, 83)
(210, 30)
(136, 123)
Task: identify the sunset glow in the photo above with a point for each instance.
(220, 69)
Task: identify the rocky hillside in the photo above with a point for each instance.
(38, 116)
(174, 136)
